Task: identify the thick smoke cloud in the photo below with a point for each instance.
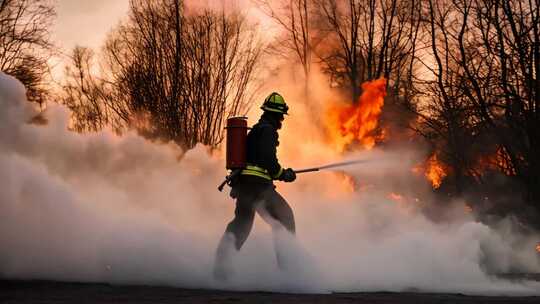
(99, 207)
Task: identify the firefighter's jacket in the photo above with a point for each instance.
(262, 141)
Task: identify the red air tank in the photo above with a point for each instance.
(236, 142)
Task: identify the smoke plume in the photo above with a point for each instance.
(105, 208)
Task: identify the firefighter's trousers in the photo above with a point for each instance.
(267, 202)
(271, 206)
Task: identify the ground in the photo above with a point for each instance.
(27, 292)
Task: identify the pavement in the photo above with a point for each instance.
(44, 292)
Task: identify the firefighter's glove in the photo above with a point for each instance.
(288, 175)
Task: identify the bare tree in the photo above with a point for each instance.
(295, 18)
(499, 51)
(144, 60)
(367, 39)
(219, 61)
(481, 104)
(446, 120)
(24, 43)
(170, 75)
(84, 93)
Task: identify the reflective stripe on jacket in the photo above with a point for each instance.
(261, 172)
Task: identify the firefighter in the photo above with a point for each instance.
(254, 189)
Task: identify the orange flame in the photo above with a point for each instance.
(348, 124)
(435, 172)
(538, 247)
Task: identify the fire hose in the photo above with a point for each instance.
(334, 165)
(235, 172)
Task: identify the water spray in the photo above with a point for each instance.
(334, 165)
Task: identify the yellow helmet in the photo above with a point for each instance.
(275, 103)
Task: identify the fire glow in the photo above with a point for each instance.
(357, 123)
(498, 161)
(435, 172)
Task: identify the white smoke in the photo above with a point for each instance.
(99, 207)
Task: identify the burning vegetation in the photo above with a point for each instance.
(357, 123)
(435, 171)
(498, 161)
(358, 126)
